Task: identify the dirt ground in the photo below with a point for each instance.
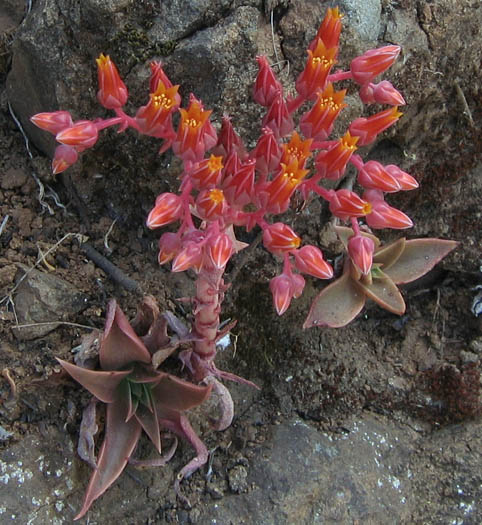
(420, 372)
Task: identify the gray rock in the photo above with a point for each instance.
(363, 17)
(42, 298)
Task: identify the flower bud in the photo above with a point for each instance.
(168, 208)
(219, 249)
(53, 122)
(367, 129)
(282, 291)
(360, 250)
(169, 247)
(189, 257)
(372, 63)
(112, 92)
(406, 181)
(82, 134)
(64, 157)
(373, 175)
(345, 204)
(384, 216)
(279, 238)
(381, 93)
(309, 260)
(266, 86)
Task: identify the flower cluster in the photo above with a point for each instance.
(225, 186)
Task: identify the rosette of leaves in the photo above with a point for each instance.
(138, 398)
(399, 262)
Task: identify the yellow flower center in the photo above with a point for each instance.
(216, 195)
(162, 101)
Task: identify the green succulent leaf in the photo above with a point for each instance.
(418, 258)
(337, 304)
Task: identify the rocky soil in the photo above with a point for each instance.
(375, 423)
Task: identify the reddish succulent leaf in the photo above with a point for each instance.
(150, 424)
(418, 258)
(176, 394)
(101, 384)
(336, 305)
(385, 293)
(388, 255)
(345, 233)
(120, 345)
(119, 442)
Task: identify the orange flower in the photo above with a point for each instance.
(112, 92)
(162, 103)
(296, 149)
(275, 196)
(313, 78)
(53, 122)
(317, 123)
(211, 204)
(331, 164)
(207, 173)
(82, 134)
(372, 63)
(195, 134)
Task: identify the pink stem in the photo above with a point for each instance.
(339, 75)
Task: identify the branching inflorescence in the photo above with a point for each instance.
(224, 186)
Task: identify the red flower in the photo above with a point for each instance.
(384, 216)
(189, 257)
(296, 149)
(279, 238)
(207, 173)
(112, 92)
(368, 128)
(317, 123)
(169, 247)
(372, 63)
(275, 196)
(157, 74)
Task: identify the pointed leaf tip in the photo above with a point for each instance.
(418, 258)
(120, 346)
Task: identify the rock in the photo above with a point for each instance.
(237, 479)
(13, 178)
(42, 298)
(363, 17)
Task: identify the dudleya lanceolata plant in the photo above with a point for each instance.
(225, 187)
